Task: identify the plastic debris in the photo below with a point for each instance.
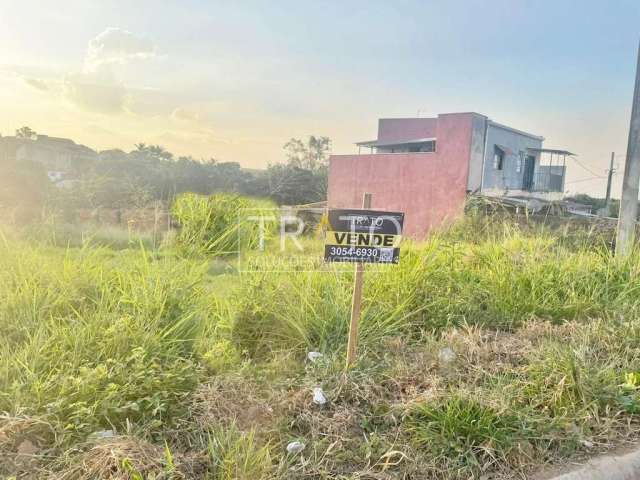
(446, 355)
(313, 356)
(102, 434)
(318, 396)
(295, 447)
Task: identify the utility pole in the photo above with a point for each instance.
(629, 199)
(607, 202)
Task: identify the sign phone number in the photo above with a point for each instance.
(365, 236)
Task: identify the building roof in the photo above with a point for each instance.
(551, 150)
(427, 121)
(521, 132)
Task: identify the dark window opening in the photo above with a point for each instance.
(529, 169)
(426, 147)
(498, 158)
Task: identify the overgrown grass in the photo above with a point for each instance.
(465, 436)
(220, 224)
(197, 371)
(439, 283)
(95, 339)
(66, 235)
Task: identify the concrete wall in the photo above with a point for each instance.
(52, 160)
(479, 129)
(55, 156)
(430, 188)
(508, 178)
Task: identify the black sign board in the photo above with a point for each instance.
(366, 236)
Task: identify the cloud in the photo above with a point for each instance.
(96, 91)
(181, 113)
(37, 84)
(96, 88)
(117, 46)
(98, 84)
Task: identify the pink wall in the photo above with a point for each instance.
(400, 129)
(430, 188)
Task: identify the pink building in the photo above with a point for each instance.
(425, 167)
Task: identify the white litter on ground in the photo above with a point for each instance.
(313, 356)
(446, 355)
(318, 396)
(295, 447)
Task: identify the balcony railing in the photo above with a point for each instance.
(548, 179)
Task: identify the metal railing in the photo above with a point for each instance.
(548, 179)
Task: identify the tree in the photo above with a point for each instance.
(26, 133)
(311, 155)
(154, 151)
(150, 172)
(291, 185)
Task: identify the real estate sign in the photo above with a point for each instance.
(366, 236)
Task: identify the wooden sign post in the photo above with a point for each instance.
(356, 301)
(362, 236)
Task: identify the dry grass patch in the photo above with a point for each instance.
(25, 442)
(232, 400)
(128, 458)
(118, 459)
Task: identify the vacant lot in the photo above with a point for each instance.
(492, 349)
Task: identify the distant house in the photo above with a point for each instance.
(426, 167)
(59, 156)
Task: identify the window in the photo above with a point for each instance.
(425, 147)
(519, 163)
(498, 158)
(429, 147)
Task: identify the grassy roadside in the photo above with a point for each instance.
(490, 350)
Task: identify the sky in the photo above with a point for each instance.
(235, 80)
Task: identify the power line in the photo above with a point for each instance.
(584, 180)
(587, 168)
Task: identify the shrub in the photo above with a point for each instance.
(217, 225)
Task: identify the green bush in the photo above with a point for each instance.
(218, 225)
